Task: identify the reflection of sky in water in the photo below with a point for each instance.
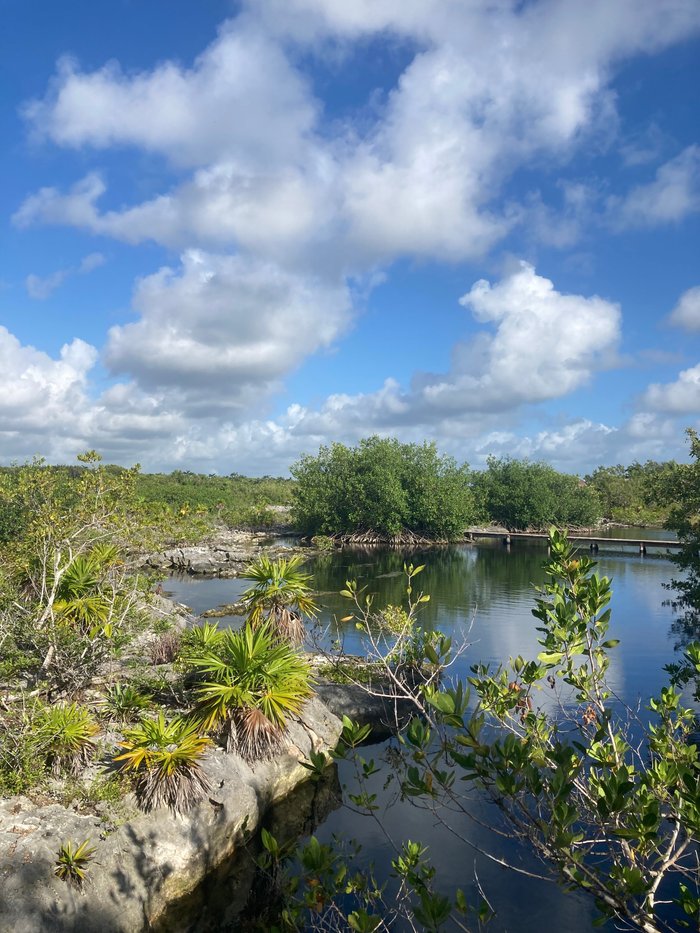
(489, 589)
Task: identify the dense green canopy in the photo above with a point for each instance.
(383, 486)
(522, 494)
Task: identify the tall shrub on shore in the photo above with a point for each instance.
(522, 494)
(383, 486)
(70, 596)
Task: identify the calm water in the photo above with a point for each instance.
(483, 595)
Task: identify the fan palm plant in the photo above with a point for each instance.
(253, 682)
(165, 759)
(281, 595)
(79, 596)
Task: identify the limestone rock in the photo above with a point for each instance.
(152, 859)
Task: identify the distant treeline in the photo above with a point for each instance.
(383, 486)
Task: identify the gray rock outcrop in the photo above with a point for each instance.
(152, 859)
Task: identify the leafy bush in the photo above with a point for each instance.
(382, 486)
(520, 494)
(73, 601)
(680, 490)
(254, 682)
(629, 494)
(609, 800)
(164, 758)
(22, 764)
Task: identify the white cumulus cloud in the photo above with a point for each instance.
(219, 332)
(686, 313)
(677, 397)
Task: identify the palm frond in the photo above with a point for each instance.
(250, 670)
(281, 594)
(165, 758)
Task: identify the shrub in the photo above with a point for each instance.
(21, 763)
(65, 734)
(521, 494)
(164, 758)
(382, 486)
(254, 683)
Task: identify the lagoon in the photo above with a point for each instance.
(483, 595)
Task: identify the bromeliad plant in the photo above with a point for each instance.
(73, 862)
(281, 596)
(124, 702)
(251, 682)
(165, 759)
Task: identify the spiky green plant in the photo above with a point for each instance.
(79, 597)
(65, 734)
(198, 639)
(281, 595)
(72, 862)
(165, 759)
(253, 682)
(124, 702)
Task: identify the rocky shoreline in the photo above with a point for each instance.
(224, 556)
(148, 861)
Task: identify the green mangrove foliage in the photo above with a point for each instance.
(628, 494)
(383, 487)
(680, 492)
(521, 494)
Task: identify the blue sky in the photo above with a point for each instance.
(232, 232)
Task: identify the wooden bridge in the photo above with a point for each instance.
(592, 541)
